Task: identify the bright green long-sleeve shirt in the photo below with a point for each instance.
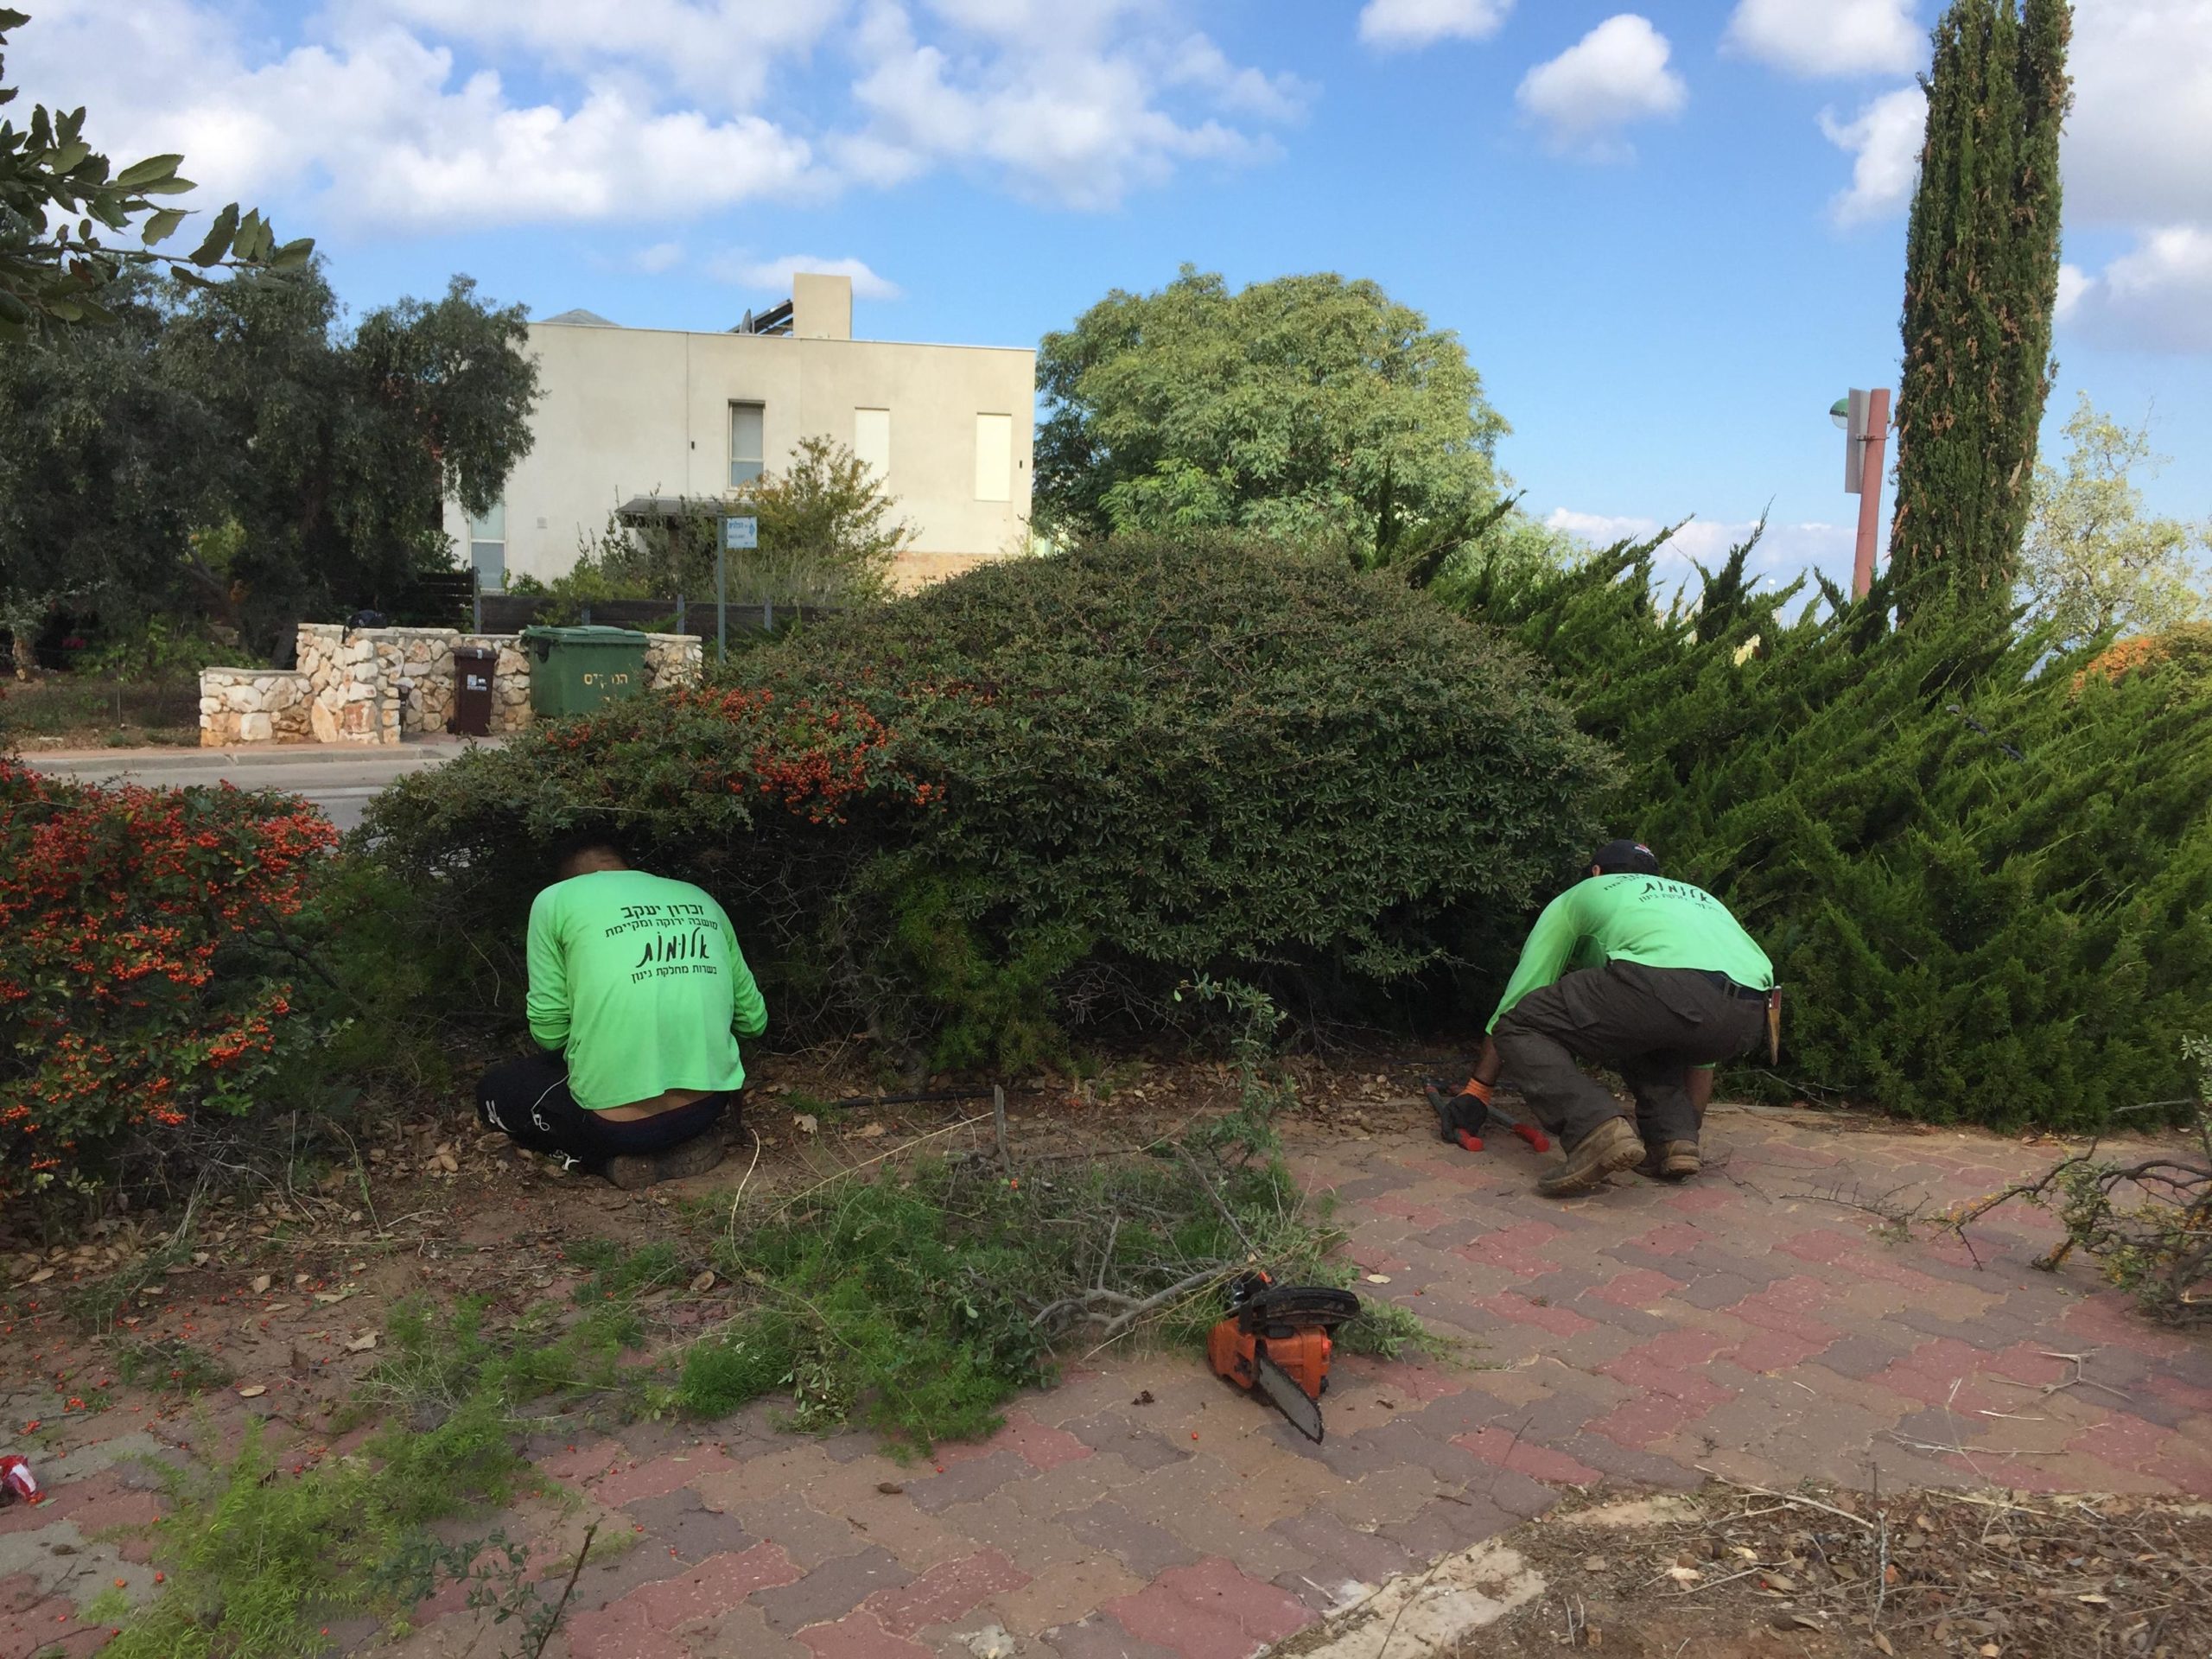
(1632, 918)
(639, 979)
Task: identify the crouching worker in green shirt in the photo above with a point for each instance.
(1628, 969)
(637, 993)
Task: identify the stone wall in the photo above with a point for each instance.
(253, 705)
(414, 666)
(673, 659)
(350, 702)
(385, 685)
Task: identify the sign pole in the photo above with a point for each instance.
(742, 533)
(1871, 442)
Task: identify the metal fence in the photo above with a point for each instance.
(511, 613)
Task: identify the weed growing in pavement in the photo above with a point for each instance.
(256, 1561)
(169, 1366)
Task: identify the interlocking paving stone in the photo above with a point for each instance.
(1145, 1549)
(1739, 1324)
(1104, 1636)
(832, 1590)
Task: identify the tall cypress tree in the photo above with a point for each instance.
(1981, 278)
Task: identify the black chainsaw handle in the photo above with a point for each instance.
(1297, 1305)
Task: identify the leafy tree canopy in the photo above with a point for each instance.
(1302, 406)
(2094, 563)
(59, 200)
(235, 448)
(103, 467)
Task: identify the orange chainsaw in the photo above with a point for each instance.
(1275, 1342)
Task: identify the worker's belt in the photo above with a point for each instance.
(1733, 988)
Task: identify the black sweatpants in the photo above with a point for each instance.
(1651, 1024)
(527, 1101)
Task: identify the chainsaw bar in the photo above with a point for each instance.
(1283, 1392)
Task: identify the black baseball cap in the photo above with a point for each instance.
(1625, 858)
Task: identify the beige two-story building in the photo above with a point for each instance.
(631, 414)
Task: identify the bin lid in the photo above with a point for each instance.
(596, 633)
(476, 653)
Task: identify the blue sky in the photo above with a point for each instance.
(1669, 237)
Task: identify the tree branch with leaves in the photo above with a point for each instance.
(61, 201)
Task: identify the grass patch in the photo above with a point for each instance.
(170, 1366)
(83, 710)
(635, 1273)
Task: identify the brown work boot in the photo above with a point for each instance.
(1671, 1160)
(1612, 1145)
(633, 1172)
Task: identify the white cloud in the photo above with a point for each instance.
(1400, 25)
(2156, 297)
(656, 258)
(1059, 100)
(1830, 37)
(1783, 552)
(775, 275)
(1199, 63)
(405, 113)
(382, 126)
(1884, 139)
(721, 53)
(1615, 74)
(2137, 156)
(2074, 283)
(2138, 144)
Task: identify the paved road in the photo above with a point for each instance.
(339, 780)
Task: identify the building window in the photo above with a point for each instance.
(872, 442)
(995, 457)
(746, 450)
(488, 548)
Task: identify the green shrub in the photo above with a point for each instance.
(1987, 884)
(1055, 787)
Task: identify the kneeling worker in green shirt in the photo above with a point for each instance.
(637, 993)
(1629, 970)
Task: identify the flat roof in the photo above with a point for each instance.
(564, 320)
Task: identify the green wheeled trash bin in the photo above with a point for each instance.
(576, 671)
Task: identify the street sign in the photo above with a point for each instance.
(1854, 441)
(739, 534)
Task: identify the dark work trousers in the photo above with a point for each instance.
(1651, 1024)
(527, 1101)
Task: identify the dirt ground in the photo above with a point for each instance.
(1821, 1573)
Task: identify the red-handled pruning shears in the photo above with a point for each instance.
(1464, 1115)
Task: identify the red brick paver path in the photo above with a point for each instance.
(1746, 1325)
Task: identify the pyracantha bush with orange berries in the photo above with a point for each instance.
(148, 970)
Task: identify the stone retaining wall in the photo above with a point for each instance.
(385, 685)
(674, 660)
(253, 705)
